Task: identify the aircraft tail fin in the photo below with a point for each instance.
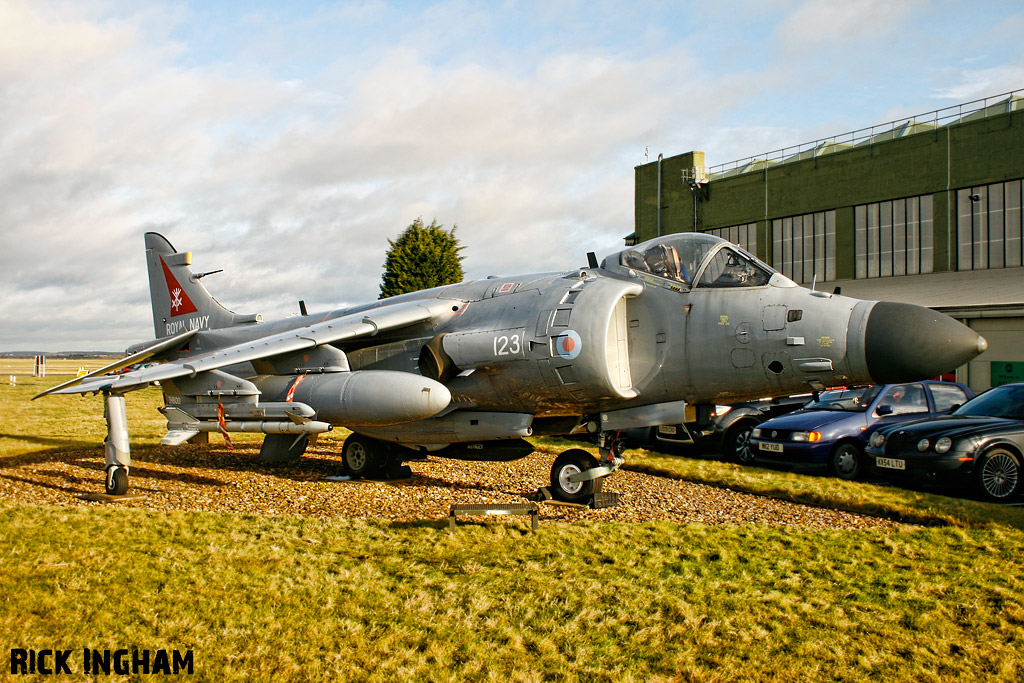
(180, 301)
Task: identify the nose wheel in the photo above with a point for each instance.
(567, 484)
(576, 475)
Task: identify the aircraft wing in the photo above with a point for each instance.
(135, 358)
(364, 324)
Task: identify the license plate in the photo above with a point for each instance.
(667, 429)
(773, 447)
(891, 463)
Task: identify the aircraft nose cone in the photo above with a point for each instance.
(905, 342)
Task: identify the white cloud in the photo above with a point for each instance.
(818, 23)
(964, 85)
(294, 201)
(288, 149)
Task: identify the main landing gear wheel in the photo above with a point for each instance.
(117, 480)
(998, 477)
(573, 461)
(361, 456)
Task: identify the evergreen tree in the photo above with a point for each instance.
(421, 257)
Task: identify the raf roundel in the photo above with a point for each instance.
(568, 344)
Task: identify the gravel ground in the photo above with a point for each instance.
(211, 478)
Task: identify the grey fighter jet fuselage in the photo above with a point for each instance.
(469, 370)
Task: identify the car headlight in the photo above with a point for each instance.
(923, 445)
(722, 410)
(809, 437)
(877, 439)
(756, 433)
(943, 444)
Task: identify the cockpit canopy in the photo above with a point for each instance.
(682, 257)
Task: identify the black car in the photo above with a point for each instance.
(981, 443)
(726, 429)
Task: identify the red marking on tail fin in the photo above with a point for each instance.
(180, 303)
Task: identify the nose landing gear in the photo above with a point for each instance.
(578, 477)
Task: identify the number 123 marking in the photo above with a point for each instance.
(506, 345)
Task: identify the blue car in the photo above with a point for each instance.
(834, 430)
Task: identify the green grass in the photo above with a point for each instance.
(277, 598)
(891, 502)
(287, 598)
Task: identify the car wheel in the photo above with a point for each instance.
(998, 475)
(736, 446)
(845, 462)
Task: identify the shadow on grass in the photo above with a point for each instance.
(63, 488)
(424, 480)
(45, 440)
(912, 502)
(92, 460)
(245, 458)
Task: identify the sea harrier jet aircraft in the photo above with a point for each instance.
(655, 334)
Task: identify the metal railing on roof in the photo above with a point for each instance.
(968, 111)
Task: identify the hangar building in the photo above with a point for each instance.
(925, 210)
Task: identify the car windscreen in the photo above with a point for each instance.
(848, 400)
(1005, 401)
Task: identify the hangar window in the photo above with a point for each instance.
(804, 247)
(989, 226)
(742, 235)
(894, 237)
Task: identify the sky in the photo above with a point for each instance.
(286, 143)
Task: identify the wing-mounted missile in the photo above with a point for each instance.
(181, 426)
(198, 404)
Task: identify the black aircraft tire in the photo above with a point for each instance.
(361, 456)
(736, 445)
(998, 475)
(567, 464)
(116, 481)
(846, 462)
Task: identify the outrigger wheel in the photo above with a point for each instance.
(116, 449)
(117, 480)
(573, 462)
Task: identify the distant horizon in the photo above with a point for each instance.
(70, 354)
